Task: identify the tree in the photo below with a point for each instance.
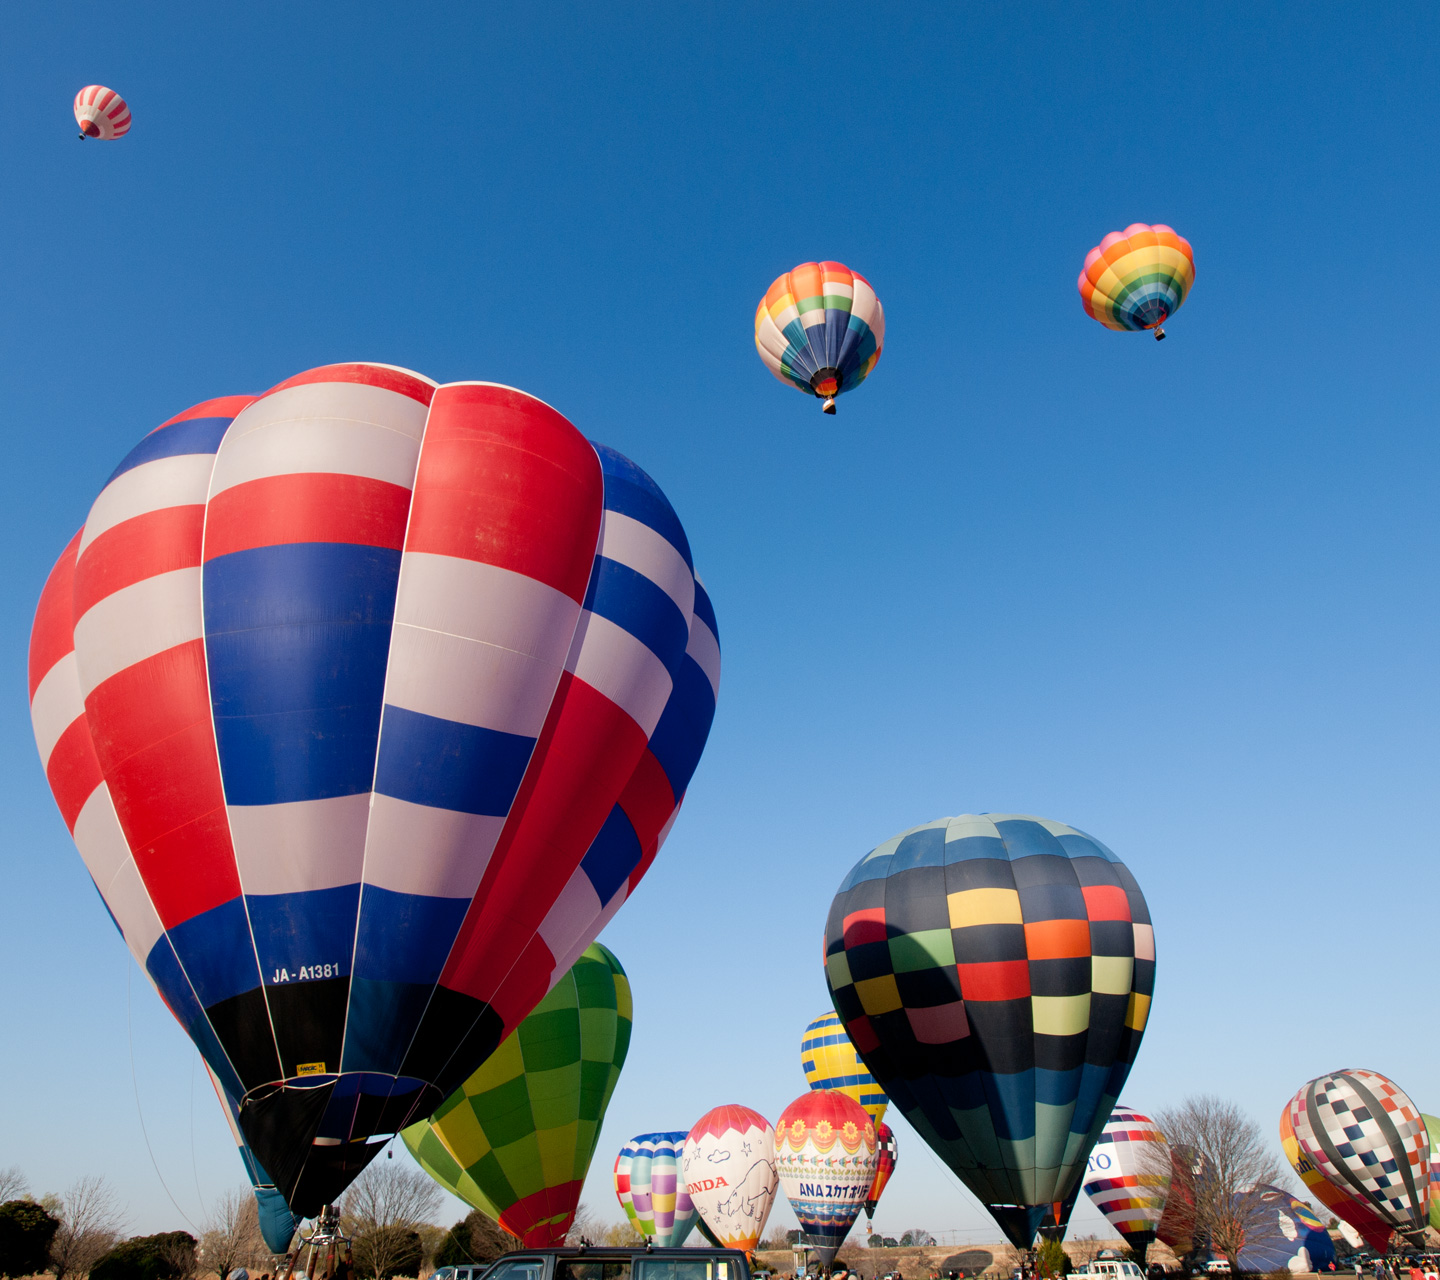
(14, 1185)
(167, 1256)
(478, 1238)
(231, 1235)
(1050, 1259)
(1084, 1250)
(586, 1227)
(1220, 1162)
(382, 1212)
(26, 1230)
(90, 1223)
(916, 1238)
(622, 1233)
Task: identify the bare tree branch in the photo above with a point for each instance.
(1220, 1167)
(90, 1224)
(231, 1236)
(14, 1185)
(382, 1212)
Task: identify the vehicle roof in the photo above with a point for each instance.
(611, 1251)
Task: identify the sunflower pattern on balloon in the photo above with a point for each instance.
(825, 1156)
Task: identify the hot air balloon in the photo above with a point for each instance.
(277, 1224)
(1283, 1233)
(886, 1153)
(362, 747)
(1137, 278)
(821, 328)
(1432, 1129)
(1360, 1219)
(829, 1061)
(729, 1170)
(101, 113)
(1367, 1139)
(1128, 1176)
(651, 1189)
(516, 1139)
(825, 1158)
(994, 972)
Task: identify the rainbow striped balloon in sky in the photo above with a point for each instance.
(1137, 278)
(820, 327)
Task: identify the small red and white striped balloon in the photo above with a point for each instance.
(101, 113)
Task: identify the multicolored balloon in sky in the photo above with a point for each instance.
(101, 113)
(363, 743)
(729, 1170)
(516, 1139)
(651, 1189)
(825, 1156)
(1368, 1140)
(829, 1061)
(995, 972)
(820, 328)
(1137, 278)
(887, 1152)
(1361, 1219)
(1128, 1176)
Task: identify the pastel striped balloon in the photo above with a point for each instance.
(651, 1188)
(1137, 278)
(368, 702)
(820, 328)
(101, 113)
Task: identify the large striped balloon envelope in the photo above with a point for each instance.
(1128, 1176)
(367, 702)
(1137, 278)
(651, 1188)
(820, 328)
(1364, 1221)
(994, 971)
(101, 113)
(829, 1061)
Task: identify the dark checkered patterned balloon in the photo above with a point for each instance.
(995, 973)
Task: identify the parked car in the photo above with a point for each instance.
(1218, 1267)
(585, 1263)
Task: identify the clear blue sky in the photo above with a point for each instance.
(1182, 596)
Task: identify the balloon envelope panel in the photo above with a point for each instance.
(1128, 1175)
(651, 1188)
(821, 328)
(1432, 1129)
(1362, 1132)
(101, 113)
(729, 1170)
(523, 1128)
(825, 1154)
(829, 1061)
(1361, 1218)
(322, 709)
(1281, 1231)
(995, 972)
(1137, 278)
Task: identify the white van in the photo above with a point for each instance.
(1110, 1269)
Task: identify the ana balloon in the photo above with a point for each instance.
(1128, 1176)
(995, 972)
(820, 328)
(101, 113)
(1360, 1219)
(364, 743)
(887, 1151)
(729, 1170)
(651, 1188)
(277, 1223)
(1367, 1139)
(1137, 278)
(829, 1061)
(515, 1141)
(825, 1157)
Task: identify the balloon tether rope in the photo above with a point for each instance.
(135, 1083)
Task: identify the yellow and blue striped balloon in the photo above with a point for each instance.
(830, 1062)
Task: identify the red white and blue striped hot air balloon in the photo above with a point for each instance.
(367, 702)
(101, 113)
